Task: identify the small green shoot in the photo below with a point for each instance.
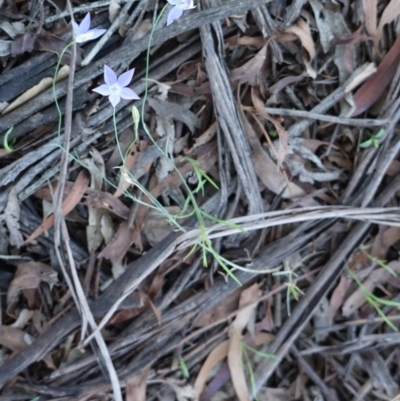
(7, 147)
(375, 301)
(380, 262)
(184, 368)
(292, 289)
(373, 139)
(54, 86)
(202, 176)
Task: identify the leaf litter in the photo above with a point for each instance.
(235, 89)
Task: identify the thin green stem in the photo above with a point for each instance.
(146, 84)
(116, 139)
(54, 85)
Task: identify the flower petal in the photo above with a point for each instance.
(85, 24)
(125, 78)
(174, 14)
(127, 93)
(173, 2)
(110, 77)
(186, 4)
(89, 35)
(95, 33)
(114, 99)
(104, 90)
(83, 37)
(77, 30)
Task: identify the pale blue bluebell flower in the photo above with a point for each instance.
(179, 7)
(115, 87)
(83, 33)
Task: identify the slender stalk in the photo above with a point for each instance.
(116, 139)
(54, 85)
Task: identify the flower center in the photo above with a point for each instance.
(115, 89)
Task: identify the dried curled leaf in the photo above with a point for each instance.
(28, 276)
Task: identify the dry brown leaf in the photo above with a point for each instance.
(267, 170)
(302, 31)
(179, 112)
(205, 155)
(257, 41)
(215, 356)
(12, 215)
(206, 136)
(247, 306)
(186, 90)
(92, 198)
(136, 386)
(96, 166)
(125, 139)
(281, 84)
(386, 237)
(125, 181)
(17, 340)
(146, 301)
(28, 276)
(391, 12)
(219, 311)
(94, 236)
(156, 227)
(118, 246)
(251, 71)
(222, 375)
(31, 93)
(283, 135)
(370, 15)
(68, 204)
(44, 41)
(149, 154)
(14, 339)
(372, 89)
(143, 29)
(338, 296)
(107, 228)
(40, 322)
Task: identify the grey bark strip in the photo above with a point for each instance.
(356, 122)
(227, 113)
